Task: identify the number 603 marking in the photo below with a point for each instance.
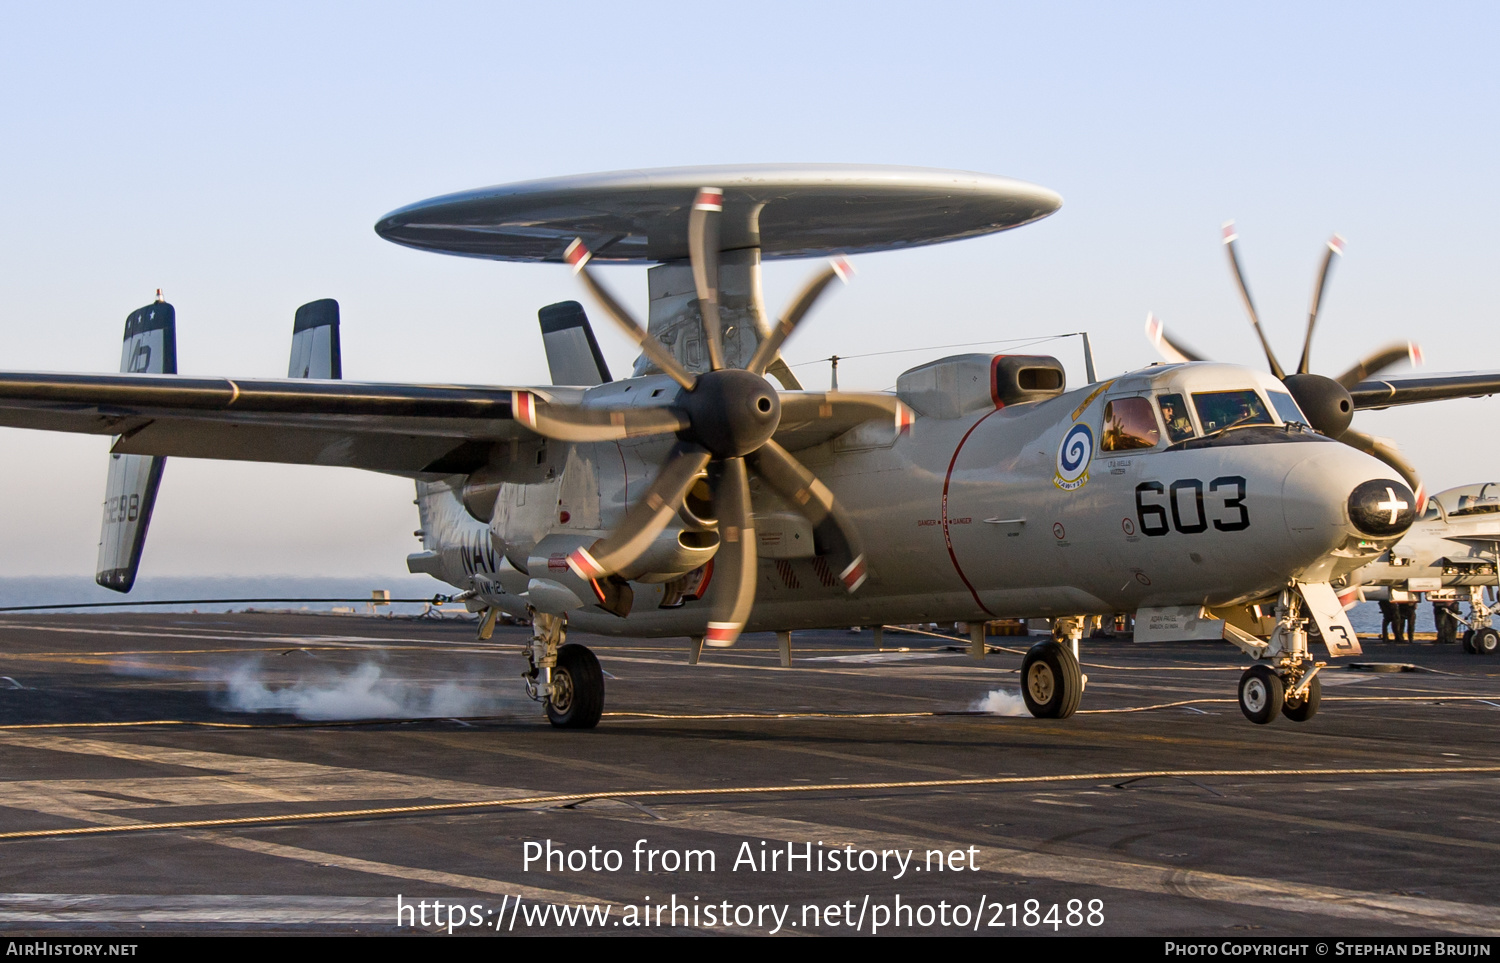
(1184, 503)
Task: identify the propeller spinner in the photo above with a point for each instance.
(724, 420)
(1325, 401)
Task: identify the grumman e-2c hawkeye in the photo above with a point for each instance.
(695, 499)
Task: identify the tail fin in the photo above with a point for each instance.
(315, 342)
(150, 348)
(572, 353)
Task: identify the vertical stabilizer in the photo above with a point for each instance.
(150, 348)
(572, 353)
(315, 342)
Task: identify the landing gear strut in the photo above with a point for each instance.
(1480, 638)
(1290, 686)
(1051, 681)
(566, 677)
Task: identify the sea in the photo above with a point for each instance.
(74, 593)
(64, 593)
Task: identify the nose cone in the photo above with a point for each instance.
(1339, 501)
(1382, 508)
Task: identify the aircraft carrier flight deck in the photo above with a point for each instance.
(278, 773)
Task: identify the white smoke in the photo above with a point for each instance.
(366, 692)
(1001, 702)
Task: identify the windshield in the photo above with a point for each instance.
(1287, 408)
(1219, 410)
(1476, 506)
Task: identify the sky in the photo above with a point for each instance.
(237, 157)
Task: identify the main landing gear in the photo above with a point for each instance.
(1289, 686)
(1480, 638)
(1051, 680)
(565, 677)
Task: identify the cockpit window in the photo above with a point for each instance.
(1129, 423)
(1219, 410)
(1174, 411)
(1470, 505)
(1287, 408)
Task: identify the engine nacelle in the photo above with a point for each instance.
(480, 491)
(672, 554)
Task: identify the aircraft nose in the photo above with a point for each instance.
(1336, 493)
(1382, 508)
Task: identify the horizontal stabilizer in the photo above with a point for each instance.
(315, 342)
(572, 353)
(150, 347)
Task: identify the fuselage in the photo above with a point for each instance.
(1173, 485)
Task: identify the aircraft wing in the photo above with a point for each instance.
(399, 428)
(1409, 391)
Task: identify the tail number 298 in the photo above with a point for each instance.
(1183, 503)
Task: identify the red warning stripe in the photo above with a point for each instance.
(947, 539)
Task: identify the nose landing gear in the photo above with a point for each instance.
(1261, 694)
(1291, 686)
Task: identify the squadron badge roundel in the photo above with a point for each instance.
(1073, 457)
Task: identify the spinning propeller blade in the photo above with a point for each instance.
(1324, 401)
(811, 406)
(703, 252)
(1230, 244)
(579, 424)
(832, 530)
(1379, 361)
(735, 561)
(1387, 452)
(646, 518)
(796, 311)
(1174, 351)
(578, 256)
(1335, 247)
(722, 417)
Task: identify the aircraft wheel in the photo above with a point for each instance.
(1486, 641)
(1051, 682)
(1306, 707)
(1261, 693)
(1468, 640)
(577, 699)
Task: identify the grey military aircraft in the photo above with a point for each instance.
(1449, 554)
(694, 498)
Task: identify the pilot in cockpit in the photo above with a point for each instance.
(1174, 414)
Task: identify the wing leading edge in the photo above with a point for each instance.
(1410, 391)
(406, 429)
(396, 428)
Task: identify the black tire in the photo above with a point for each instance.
(577, 699)
(1307, 707)
(1051, 682)
(1468, 640)
(1486, 641)
(1261, 693)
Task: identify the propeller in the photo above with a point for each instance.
(724, 420)
(1325, 401)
